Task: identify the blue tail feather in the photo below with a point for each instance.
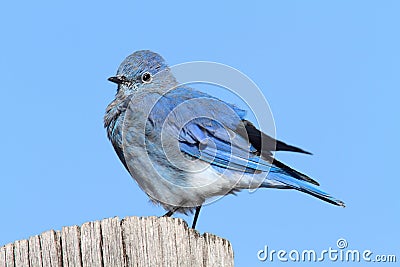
(305, 187)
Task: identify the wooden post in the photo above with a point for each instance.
(133, 241)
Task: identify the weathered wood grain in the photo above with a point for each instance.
(51, 249)
(3, 257)
(10, 255)
(112, 247)
(133, 241)
(21, 253)
(216, 250)
(35, 251)
(71, 246)
(91, 244)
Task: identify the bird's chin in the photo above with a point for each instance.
(125, 91)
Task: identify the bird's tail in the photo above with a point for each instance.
(304, 186)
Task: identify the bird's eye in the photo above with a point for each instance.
(146, 77)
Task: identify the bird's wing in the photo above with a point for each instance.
(207, 128)
(220, 146)
(262, 141)
(216, 132)
(210, 140)
(265, 144)
(212, 131)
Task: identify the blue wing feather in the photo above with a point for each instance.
(213, 137)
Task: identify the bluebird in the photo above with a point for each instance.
(184, 147)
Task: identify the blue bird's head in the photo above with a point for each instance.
(139, 71)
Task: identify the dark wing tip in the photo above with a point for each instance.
(265, 143)
(281, 146)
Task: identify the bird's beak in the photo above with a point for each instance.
(115, 79)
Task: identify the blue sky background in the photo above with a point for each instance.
(329, 69)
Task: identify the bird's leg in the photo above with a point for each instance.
(170, 212)
(196, 216)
